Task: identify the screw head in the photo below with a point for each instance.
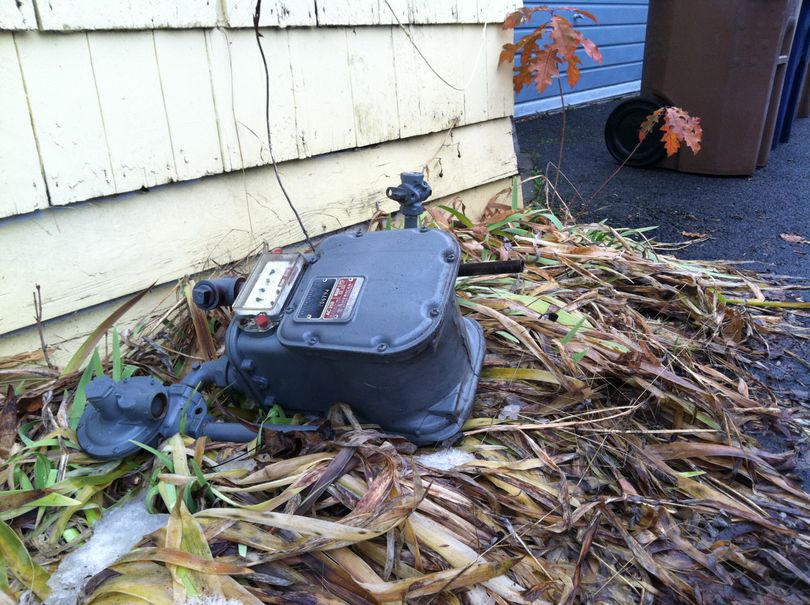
(313, 340)
(289, 310)
(382, 347)
(434, 312)
(450, 257)
(423, 229)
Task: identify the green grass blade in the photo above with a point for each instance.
(80, 397)
(572, 332)
(116, 355)
(459, 215)
(15, 556)
(162, 456)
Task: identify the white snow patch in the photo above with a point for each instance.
(478, 596)
(114, 535)
(445, 459)
(510, 411)
(213, 601)
(246, 463)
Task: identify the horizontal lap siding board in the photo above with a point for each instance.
(139, 109)
(185, 79)
(82, 15)
(373, 85)
(322, 89)
(383, 12)
(113, 247)
(70, 132)
(291, 13)
(275, 13)
(21, 186)
(17, 15)
(425, 102)
(619, 35)
(131, 101)
(237, 77)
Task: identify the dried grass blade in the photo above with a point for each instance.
(440, 581)
(96, 335)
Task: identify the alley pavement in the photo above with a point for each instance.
(743, 217)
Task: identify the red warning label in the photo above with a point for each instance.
(343, 298)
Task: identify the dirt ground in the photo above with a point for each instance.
(743, 218)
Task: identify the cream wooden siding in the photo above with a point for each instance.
(133, 144)
(117, 111)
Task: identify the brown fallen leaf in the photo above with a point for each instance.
(694, 235)
(793, 238)
(8, 423)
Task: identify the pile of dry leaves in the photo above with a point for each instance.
(607, 459)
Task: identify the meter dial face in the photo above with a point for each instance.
(267, 290)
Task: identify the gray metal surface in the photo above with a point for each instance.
(408, 277)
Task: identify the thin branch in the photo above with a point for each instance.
(615, 172)
(562, 133)
(38, 318)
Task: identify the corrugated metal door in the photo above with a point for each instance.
(620, 36)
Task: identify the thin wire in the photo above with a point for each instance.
(256, 16)
(424, 58)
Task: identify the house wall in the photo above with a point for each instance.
(133, 145)
(619, 34)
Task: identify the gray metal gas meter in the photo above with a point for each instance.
(369, 319)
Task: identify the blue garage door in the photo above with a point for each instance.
(619, 35)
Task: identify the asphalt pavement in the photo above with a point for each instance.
(743, 217)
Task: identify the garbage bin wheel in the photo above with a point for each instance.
(621, 133)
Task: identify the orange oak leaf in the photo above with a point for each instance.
(685, 127)
(507, 54)
(592, 50)
(671, 141)
(547, 48)
(584, 13)
(573, 71)
(545, 67)
(522, 78)
(677, 127)
(564, 37)
(522, 15)
(649, 123)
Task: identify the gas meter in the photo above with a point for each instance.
(368, 319)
